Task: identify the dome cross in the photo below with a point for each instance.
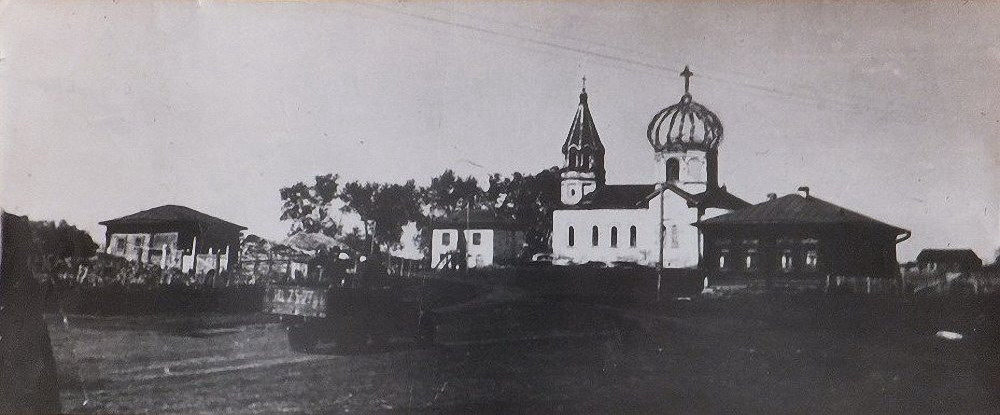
(687, 74)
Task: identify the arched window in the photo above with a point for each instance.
(673, 170)
(631, 236)
(572, 236)
(593, 236)
(614, 236)
(572, 158)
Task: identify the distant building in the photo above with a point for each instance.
(948, 260)
(485, 241)
(641, 223)
(799, 235)
(175, 236)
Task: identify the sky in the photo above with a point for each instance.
(891, 109)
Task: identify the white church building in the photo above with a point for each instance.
(647, 224)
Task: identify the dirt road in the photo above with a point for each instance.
(508, 352)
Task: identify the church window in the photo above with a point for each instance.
(673, 170)
(572, 159)
(594, 236)
(722, 259)
(446, 239)
(811, 258)
(786, 261)
(571, 236)
(751, 260)
(674, 237)
(477, 238)
(614, 236)
(631, 236)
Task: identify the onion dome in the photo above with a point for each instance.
(686, 125)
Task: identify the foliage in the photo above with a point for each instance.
(308, 207)
(527, 200)
(448, 194)
(60, 241)
(384, 208)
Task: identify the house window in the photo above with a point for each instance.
(477, 238)
(120, 245)
(571, 236)
(631, 236)
(446, 239)
(594, 236)
(674, 237)
(614, 236)
(673, 170)
(786, 261)
(811, 259)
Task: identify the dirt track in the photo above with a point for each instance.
(508, 352)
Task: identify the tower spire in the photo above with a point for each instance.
(687, 79)
(585, 84)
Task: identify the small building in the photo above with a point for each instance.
(799, 236)
(484, 239)
(948, 260)
(172, 236)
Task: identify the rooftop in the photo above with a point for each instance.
(171, 214)
(798, 210)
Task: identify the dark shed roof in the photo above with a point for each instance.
(964, 256)
(616, 196)
(168, 214)
(795, 209)
(718, 198)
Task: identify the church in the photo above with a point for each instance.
(646, 224)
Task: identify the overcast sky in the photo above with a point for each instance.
(108, 108)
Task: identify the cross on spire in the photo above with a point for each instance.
(687, 78)
(584, 83)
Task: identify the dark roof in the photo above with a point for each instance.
(475, 219)
(168, 214)
(949, 255)
(583, 132)
(798, 210)
(616, 196)
(719, 198)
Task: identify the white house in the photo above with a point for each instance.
(648, 224)
(484, 240)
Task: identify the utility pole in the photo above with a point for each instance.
(659, 229)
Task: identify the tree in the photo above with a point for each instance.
(308, 207)
(527, 200)
(54, 242)
(448, 194)
(384, 208)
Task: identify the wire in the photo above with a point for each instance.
(851, 104)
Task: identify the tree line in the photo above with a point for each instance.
(385, 208)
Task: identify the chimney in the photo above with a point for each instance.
(804, 191)
(772, 196)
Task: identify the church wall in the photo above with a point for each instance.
(680, 237)
(583, 250)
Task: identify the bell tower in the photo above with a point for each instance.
(583, 155)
